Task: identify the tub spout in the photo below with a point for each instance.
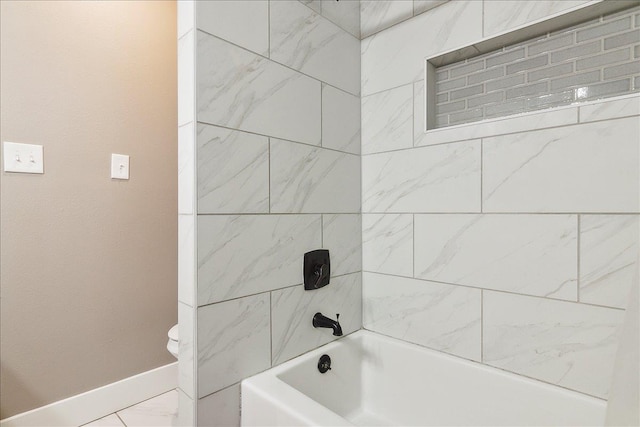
(320, 321)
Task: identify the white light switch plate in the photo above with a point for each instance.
(119, 166)
(23, 158)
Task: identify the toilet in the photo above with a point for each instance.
(172, 343)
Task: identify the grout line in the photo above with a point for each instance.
(476, 213)
(413, 114)
(482, 175)
(276, 62)
(578, 257)
(413, 255)
(227, 387)
(269, 28)
(322, 230)
(270, 328)
(276, 137)
(482, 325)
(321, 115)
(280, 213)
(269, 290)
(269, 170)
(494, 290)
(120, 418)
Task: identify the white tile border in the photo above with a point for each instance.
(100, 402)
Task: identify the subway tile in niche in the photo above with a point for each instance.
(603, 59)
(306, 179)
(549, 44)
(270, 246)
(622, 39)
(604, 29)
(627, 69)
(576, 51)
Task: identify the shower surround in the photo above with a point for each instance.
(509, 242)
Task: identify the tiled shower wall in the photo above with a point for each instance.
(274, 162)
(509, 242)
(597, 59)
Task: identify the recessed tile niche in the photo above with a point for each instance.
(582, 57)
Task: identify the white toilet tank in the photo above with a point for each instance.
(172, 343)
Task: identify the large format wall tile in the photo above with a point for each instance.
(346, 14)
(245, 23)
(526, 254)
(292, 310)
(421, 6)
(584, 168)
(397, 56)
(503, 15)
(376, 15)
(342, 236)
(220, 409)
(387, 120)
(246, 254)
(608, 258)
(233, 342)
(444, 178)
(439, 316)
(233, 171)
(186, 381)
(340, 120)
(387, 243)
(305, 41)
(241, 90)
(568, 344)
(186, 166)
(628, 106)
(310, 179)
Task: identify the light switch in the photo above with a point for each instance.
(119, 166)
(23, 158)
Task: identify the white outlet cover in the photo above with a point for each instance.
(119, 166)
(23, 158)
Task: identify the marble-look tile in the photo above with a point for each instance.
(244, 23)
(233, 342)
(342, 236)
(157, 412)
(528, 172)
(439, 316)
(186, 78)
(493, 127)
(220, 409)
(108, 421)
(186, 410)
(419, 114)
(186, 259)
(627, 106)
(387, 243)
(345, 14)
(244, 91)
(609, 252)
(292, 310)
(396, 56)
(186, 173)
(443, 178)
(315, 5)
(312, 179)
(233, 171)
(525, 254)
(387, 120)
(376, 15)
(186, 317)
(340, 120)
(248, 254)
(185, 10)
(421, 6)
(501, 16)
(564, 343)
(305, 41)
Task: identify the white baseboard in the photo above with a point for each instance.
(97, 403)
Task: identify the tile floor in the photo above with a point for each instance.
(159, 411)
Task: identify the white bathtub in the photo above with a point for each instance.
(376, 381)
